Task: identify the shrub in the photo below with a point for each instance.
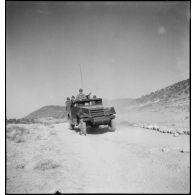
(45, 165)
(16, 133)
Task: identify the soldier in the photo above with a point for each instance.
(67, 104)
(81, 95)
(93, 102)
(72, 99)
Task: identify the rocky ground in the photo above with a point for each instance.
(49, 158)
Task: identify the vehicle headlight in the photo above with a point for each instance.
(107, 111)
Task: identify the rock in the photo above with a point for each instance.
(156, 127)
(180, 132)
(165, 149)
(185, 150)
(186, 132)
(175, 134)
(161, 130)
(145, 126)
(20, 166)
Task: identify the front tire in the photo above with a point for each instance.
(71, 126)
(82, 127)
(112, 125)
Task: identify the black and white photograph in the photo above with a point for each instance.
(98, 97)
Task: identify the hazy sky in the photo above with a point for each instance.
(125, 49)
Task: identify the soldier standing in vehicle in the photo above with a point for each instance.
(81, 95)
(93, 102)
(72, 99)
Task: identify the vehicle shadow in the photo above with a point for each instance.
(94, 130)
(98, 130)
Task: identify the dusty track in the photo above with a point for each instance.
(129, 160)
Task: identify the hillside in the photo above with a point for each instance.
(174, 95)
(120, 103)
(169, 106)
(53, 111)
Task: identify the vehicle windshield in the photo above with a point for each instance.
(97, 102)
(89, 102)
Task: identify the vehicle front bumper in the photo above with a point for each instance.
(103, 120)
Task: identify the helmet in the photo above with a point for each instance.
(80, 90)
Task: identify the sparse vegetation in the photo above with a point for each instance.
(46, 164)
(20, 121)
(48, 112)
(16, 133)
(20, 166)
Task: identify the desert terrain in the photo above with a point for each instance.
(129, 61)
(148, 153)
(49, 158)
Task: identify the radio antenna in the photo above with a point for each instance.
(82, 86)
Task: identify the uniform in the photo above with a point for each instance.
(68, 103)
(81, 96)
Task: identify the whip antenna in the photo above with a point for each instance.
(82, 86)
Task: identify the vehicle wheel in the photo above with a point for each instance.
(112, 125)
(82, 127)
(71, 126)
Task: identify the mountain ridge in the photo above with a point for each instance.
(178, 92)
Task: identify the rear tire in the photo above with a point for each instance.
(82, 127)
(112, 125)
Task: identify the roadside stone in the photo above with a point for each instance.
(165, 149)
(156, 127)
(185, 150)
(180, 132)
(175, 134)
(160, 130)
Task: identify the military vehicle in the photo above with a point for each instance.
(90, 113)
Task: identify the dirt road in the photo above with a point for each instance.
(130, 160)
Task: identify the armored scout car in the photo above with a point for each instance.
(90, 112)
